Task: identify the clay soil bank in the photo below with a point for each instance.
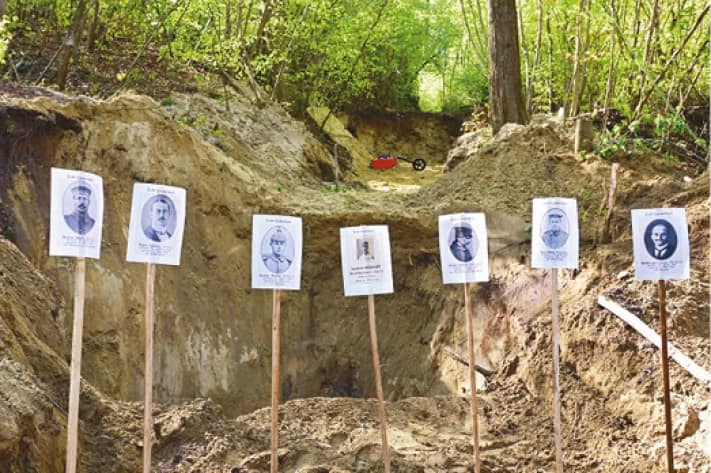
(213, 333)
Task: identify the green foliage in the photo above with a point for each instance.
(5, 36)
(429, 54)
(10, 235)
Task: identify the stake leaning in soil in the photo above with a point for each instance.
(665, 373)
(378, 382)
(556, 375)
(148, 380)
(75, 376)
(276, 330)
(472, 377)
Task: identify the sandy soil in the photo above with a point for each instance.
(212, 373)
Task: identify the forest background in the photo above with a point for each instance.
(643, 59)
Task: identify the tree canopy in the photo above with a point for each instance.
(639, 56)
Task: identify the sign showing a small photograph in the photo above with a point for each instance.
(661, 244)
(365, 260)
(276, 252)
(77, 214)
(155, 233)
(554, 233)
(463, 248)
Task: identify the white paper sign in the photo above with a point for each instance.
(276, 252)
(554, 233)
(463, 248)
(77, 214)
(661, 244)
(365, 260)
(155, 234)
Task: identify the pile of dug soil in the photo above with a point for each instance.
(213, 332)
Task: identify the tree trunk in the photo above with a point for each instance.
(73, 36)
(228, 19)
(610, 83)
(506, 101)
(649, 44)
(526, 61)
(576, 88)
(536, 61)
(94, 28)
(3, 7)
(550, 65)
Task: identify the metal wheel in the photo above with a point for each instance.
(419, 164)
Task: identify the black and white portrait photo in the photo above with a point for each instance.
(76, 213)
(159, 218)
(277, 246)
(78, 208)
(660, 239)
(277, 249)
(155, 231)
(364, 250)
(554, 233)
(554, 228)
(463, 248)
(463, 243)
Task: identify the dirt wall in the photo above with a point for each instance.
(410, 134)
(212, 331)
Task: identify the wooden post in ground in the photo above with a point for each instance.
(665, 374)
(472, 377)
(606, 234)
(378, 383)
(75, 375)
(556, 375)
(276, 348)
(148, 375)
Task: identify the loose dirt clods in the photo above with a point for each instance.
(213, 332)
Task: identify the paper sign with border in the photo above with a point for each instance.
(365, 260)
(554, 233)
(77, 214)
(661, 244)
(155, 233)
(276, 252)
(463, 248)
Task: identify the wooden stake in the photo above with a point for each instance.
(148, 375)
(378, 383)
(472, 377)
(276, 330)
(606, 235)
(75, 375)
(665, 374)
(556, 376)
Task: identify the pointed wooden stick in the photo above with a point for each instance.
(276, 346)
(556, 375)
(665, 374)
(472, 377)
(75, 376)
(378, 383)
(148, 375)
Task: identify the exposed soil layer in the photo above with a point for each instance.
(213, 333)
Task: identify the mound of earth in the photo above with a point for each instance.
(213, 333)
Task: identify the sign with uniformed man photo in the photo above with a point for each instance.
(77, 214)
(554, 233)
(276, 252)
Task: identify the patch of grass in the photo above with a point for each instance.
(10, 235)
